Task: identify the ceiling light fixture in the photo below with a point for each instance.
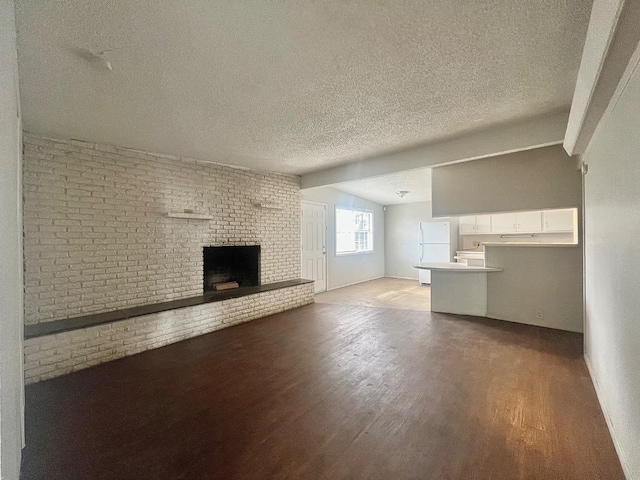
(402, 193)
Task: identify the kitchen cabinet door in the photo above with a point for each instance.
(558, 220)
(483, 224)
(467, 225)
(529, 222)
(503, 223)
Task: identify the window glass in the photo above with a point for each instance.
(354, 231)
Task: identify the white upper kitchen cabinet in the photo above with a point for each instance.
(503, 223)
(529, 222)
(475, 225)
(521, 222)
(483, 224)
(467, 225)
(550, 221)
(559, 220)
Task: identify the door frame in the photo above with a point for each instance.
(326, 243)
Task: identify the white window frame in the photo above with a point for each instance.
(335, 233)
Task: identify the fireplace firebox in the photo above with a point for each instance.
(231, 264)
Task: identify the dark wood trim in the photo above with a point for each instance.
(75, 323)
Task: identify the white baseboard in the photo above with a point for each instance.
(354, 283)
(607, 418)
(402, 278)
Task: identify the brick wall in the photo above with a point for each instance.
(97, 238)
(54, 355)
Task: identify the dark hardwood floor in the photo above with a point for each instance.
(330, 392)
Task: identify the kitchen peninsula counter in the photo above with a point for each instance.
(457, 288)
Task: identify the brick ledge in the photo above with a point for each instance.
(76, 323)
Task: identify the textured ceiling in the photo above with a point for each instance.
(382, 190)
(292, 85)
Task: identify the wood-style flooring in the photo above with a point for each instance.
(330, 392)
(382, 292)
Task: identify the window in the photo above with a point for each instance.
(354, 231)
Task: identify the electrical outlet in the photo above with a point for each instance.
(540, 314)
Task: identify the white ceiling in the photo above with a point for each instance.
(382, 190)
(294, 85)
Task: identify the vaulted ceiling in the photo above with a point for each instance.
(292, 86)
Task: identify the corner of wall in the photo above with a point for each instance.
(11, 301)
(607, 417)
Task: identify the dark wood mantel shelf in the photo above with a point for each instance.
(75, 323)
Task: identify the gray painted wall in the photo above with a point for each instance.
(531, 180)
(536, 279)
(349, 269)
(612, 270)
(401, 237)
(11, 303)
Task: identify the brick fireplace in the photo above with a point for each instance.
(239, 264)
(104, 231)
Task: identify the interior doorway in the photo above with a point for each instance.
(314, 244)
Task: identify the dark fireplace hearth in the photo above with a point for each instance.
(231, 264)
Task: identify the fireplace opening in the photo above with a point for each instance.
(231, 264)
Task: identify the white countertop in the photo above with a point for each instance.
(529, 244)
(455, 267)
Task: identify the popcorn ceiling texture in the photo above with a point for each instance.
(96, 237)
(293, 85)
(54, 355)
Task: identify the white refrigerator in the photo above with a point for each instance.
(436, 245)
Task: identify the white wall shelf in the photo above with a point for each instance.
(191, 216)
(267, 206)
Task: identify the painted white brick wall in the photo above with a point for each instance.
(97, 238)
(54, 355)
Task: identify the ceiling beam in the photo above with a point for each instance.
(513, 137)
(612, 38)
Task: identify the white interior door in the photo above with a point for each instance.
(314, 244)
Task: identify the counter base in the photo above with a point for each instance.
(459, 294)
